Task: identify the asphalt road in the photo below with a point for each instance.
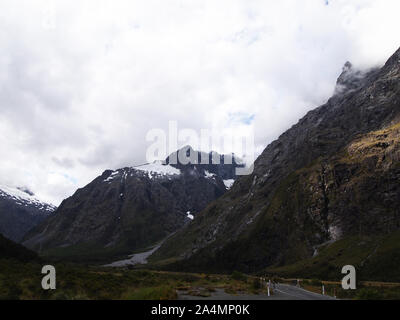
(282, 292)
(287, 292)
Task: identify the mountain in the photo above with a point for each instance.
(334, 176)
(132, 208)
(20, 211)
(12, 250)
(223, 166)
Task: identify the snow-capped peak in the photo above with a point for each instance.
(24, 197)
(153, 170)
(158, 168)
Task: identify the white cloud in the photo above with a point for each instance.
(81, 84)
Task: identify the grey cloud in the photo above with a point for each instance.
(64, 162)
(78, 96)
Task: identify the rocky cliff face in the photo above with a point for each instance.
(332, 175)
(20, 211)
(223, 166)
(129, 209)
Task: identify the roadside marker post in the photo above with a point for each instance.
(323, 290)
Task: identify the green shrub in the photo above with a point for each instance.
(368, 294)
(256, 284)
(153, 293)
(316, 282)
(236, 275)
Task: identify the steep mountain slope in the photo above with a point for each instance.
(12, 250)
(331, 176)
(376, 258)
(129, 209)
(20, 211)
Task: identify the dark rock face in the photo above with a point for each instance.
(130, 208)
(224, 166)
(351, 79)
(12, 250)
(20, 211)
(308, 187)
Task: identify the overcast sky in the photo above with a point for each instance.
(82, 82)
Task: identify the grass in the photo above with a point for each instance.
(371, 291)
(151, 293)
(78, 282)
(87, 253)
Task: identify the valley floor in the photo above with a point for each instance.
(78, 282)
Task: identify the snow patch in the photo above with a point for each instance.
(209, 175)
(190, 216)
(229, 183)
(335, 232)
(111, 177)
(158, 169)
